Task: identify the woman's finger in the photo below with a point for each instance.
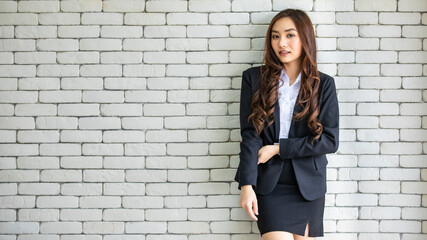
(256, 207)
(250, 212)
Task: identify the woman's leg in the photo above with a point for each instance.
(305, 237)
(277, 235)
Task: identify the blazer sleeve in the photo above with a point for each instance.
(247, 172)
(329, 139)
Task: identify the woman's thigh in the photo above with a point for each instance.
(305, 237)
(277, 235)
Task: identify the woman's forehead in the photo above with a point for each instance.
(284, 24)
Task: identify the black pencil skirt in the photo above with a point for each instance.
(285, 209)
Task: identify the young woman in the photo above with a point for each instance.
(289, 121)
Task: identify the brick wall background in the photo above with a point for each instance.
(119, 119)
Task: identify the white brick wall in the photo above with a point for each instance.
(119, 118)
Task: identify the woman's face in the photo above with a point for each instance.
(285, 42)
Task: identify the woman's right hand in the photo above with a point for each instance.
(248, 201)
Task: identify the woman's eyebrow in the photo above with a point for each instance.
(287, 30)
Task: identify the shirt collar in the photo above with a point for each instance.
(285, 77)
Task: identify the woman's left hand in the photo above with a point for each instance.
(267, 152)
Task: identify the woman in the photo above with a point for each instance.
(282, 169)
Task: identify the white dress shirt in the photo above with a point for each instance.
(287, 99)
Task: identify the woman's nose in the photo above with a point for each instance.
(283, 42)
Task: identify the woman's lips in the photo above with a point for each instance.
(284, 53)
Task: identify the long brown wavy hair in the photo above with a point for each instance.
(263, 101)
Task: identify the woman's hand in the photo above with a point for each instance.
(267, 152)
(248, 201)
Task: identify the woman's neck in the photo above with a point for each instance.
(292, 71)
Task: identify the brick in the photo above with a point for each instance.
(228, 18)
(80, 189)
(337, 31)
(102, 18)
(144, 44)
(39, 189)
(207, 57)
(145, 96)
(59, 18)
(188, 175)
(358, 174)
(252, 5)
(125, 162)
(229, 44)
(194, 70)
(17, 201)
(146, 176)
(8, 188)
(357, 18)
(207, 31)
(401, 44)
(145, 18)
(401, 69)
(81, 6)
(400, 226)
(185, 122)
(164, 31)
(146, 227)
(100, 202)
(81, 214)
(209, 6)
(305, 5)
(248, 30)
(185, 202)
(123, 214)
(412, 5)
(33, 215)
(376, 57)
(188, 227)
(19, 227)
(399, 18)
(103, 227)
(120, 6)
(335, 57)
(378, 108)
(208, 188)
(359, 44)
(414, 187)
(164, 57)
(335, 5)
(182, 44)
(399, 122)
(208, 214)
(142, 202)
(166, 6)
(207, 162)
(166, 162)
(230, 227)
(412, 57)
(124, 189)
(186, 18)
(359, 69)
(401, 148)
(166, 189)
(210, 83)
(381, 5)
(18, 19)
(166, 214)
(9, 6)
(379, 212)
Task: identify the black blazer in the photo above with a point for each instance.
(309, 161)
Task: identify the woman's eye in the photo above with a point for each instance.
(290, 35)
(275, 36)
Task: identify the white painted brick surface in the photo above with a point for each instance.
(119, 119)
